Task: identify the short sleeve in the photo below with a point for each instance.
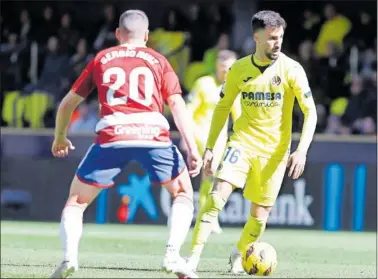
(170, 82)
(299, 83)
(84, 84)
(300, 86)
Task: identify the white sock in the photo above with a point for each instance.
(71, 228)
(179, 223)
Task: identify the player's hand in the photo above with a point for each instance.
(194, 163)
(296, 164)
(61, 147)
(208, 162)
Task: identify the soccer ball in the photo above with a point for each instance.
(259, 258)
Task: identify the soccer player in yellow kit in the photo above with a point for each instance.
(201, 104)
(258, 151)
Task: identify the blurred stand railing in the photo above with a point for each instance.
(34, 62)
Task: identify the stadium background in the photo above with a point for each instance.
(46, 44)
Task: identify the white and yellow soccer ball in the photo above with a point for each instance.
(259, 258)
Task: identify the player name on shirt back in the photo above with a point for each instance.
(109, 56)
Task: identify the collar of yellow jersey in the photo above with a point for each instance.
(260, 63)
(262, 66)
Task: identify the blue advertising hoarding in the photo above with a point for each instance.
(337, 191)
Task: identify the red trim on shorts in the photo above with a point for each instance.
(169, 180)
(94, 184)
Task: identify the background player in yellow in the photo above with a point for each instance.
(258, 151)
(201, 104)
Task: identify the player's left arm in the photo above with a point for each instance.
(300, 86)
(79, 91)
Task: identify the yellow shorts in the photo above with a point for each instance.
(260, 177)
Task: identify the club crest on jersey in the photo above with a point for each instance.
(276, 80)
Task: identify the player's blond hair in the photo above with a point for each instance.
(135, 23)
(226, 54)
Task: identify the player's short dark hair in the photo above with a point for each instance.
(267, 18)
(226, 54)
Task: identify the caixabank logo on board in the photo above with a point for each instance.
(130, 199)
(292, 208)
(134, 195)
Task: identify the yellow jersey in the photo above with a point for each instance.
(267, 95)
(202, 101)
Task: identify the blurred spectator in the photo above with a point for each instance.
(106, 29)
(368, 63)
(68, 35)
(334, 126)
(311, 23)
(10, 69)
(364, 31)
(172, 41)
(47, 26)
(25, 28)
(322, 118)
(4, 30)
(11, 44)
(305, 57)
(332, 32)
(87, 120)
(248, 46)
(210, 55)
(201, 32)
(334, 68)
(79, 60)
(55, 67)
(335, 54)
(359, 115)
(371, 89)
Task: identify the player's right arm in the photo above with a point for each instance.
(228, 95)
(236, 109)
(79, 91)
(171, 91)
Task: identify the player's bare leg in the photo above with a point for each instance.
(207, 218)
(179, 223)
(71, 225)
(252, 231)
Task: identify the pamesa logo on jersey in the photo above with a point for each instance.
(262, 99)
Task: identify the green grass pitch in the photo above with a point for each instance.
(31, 250)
